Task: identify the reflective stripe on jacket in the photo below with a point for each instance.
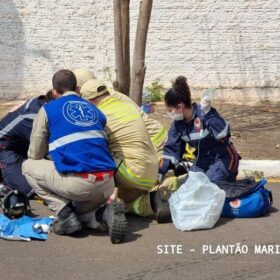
(208, 133)
(156, 131)
(129, 141)
(77, 141)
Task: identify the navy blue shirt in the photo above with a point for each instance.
(16, 126)
(208, 133)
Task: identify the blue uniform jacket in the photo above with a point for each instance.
(78, 142)
(16, 126)
(208, 133)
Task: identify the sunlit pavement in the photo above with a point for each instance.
(152, 251)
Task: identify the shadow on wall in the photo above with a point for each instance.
(11, 51)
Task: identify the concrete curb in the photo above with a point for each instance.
(269, 168)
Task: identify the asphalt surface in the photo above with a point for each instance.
(92, 256)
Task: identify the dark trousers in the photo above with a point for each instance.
(10, 164)
(217, 170)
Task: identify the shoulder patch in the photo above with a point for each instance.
(197, 124)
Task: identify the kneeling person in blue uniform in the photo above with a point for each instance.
(80, 172)
(206, 131)
(15, 130)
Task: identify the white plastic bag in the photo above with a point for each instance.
(197, 204)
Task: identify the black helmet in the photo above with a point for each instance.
(15, 204)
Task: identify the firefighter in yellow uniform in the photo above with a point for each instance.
(130, 145)
(158, 136)
(156, 131)
(82, 76)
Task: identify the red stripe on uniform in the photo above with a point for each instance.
(231, 158)
(234, 158)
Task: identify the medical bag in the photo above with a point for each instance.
(246, 199)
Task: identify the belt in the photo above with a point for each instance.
(99, 176)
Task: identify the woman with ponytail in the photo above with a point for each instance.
(206, 131)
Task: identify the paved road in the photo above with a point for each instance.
(92, 256)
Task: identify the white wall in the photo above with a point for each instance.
(231, 45)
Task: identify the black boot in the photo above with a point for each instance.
(113, 216)
(68, 222)
(160, 205)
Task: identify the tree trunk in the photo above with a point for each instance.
(125, 45)
(139, 68)
(122, 55)
(118, 43)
